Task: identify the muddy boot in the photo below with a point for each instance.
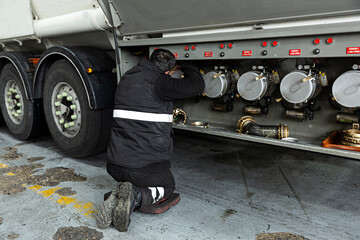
(105, 213)
(129, 199)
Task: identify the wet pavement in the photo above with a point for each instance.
(229, 190)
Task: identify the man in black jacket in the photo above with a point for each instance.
(141, 137)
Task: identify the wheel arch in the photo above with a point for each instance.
(20, 61)
(99, 85)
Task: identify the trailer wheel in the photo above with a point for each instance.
(20, 114)
(77, 130)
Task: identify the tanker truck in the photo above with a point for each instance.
(284, 73)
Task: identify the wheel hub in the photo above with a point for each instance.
(66, 109)
(14, 102)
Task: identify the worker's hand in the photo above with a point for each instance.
(174, 69)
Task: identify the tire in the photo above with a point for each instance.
(77, 130)
(22, 116)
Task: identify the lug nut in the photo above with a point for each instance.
(64, 94)
(71, 124)
(66, 125)
(16, 115)
(72, 107)
(69, 98)
(57, 113)
(18, 104)
(57, 104)
(59, 96)
(9, 99)
(18, 111)
(10, 107)
(8, 93)
(73, 117)
(61, 121)
(17, 96)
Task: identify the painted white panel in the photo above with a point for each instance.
(15, 19)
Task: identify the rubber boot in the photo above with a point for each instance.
(129, 200)
(105, 213)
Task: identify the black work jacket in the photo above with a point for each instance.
(136, 143)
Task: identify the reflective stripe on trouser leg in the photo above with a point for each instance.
(157, 193)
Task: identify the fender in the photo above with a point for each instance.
(20, 61)
(100, 84)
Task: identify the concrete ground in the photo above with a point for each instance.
(229, 190)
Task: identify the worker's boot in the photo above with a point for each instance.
(105, 213)
(129, 199)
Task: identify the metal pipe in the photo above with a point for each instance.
(247, 125)
(347, 118)
(179, 116)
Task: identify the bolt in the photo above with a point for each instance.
(66, 125)
(64, 94)
(57, 104)
(10, 107)
(69, 98)
(59, 96)
(11, 89)
(73, 117)
(16, 115)
(18, 104)
(61, 121)
(9, 99)
(71, 124)
(17, 96)
(72, 107)
(18, 111)
(57, 113)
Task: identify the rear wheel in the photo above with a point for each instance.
(21, 115)
(78, 130)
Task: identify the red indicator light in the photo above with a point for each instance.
(316, 41)
(329, 40)
(186, 48)
(222, 46)
(208, 54)
(230, 45)
(275, 43)
(176, 55)
(264, 43)
(193, 47)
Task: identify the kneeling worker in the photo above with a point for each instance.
(142, 140)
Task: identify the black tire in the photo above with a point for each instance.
(27, 124)
(91, 132)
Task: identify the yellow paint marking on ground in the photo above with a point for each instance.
(3, 165)
(85, 208)
(35, 187)
(66, 200)
(49, 192)
(10, 174)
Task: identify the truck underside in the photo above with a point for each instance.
(286, 76)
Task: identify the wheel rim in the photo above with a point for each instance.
(14, 102)
(66, 110)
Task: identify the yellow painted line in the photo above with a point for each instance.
(35, 187)
(85, 208)
(10, 174)
(49, 192)
(3, 165)
(66, 200)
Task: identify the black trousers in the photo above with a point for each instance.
(155, 181)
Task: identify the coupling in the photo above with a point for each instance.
(352, 136)
(179, 116)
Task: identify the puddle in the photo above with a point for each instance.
(68, 233)
(279, 236)
(13, 178)
(12, 154)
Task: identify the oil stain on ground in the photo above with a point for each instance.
(12, 154)
(13, 178)
(279, 236)
(77, 233)
(67, 191)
